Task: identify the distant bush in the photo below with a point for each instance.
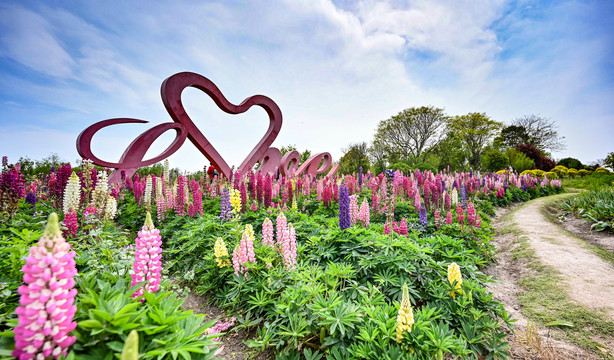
(551, 175)
(571, 163)
(584, 172)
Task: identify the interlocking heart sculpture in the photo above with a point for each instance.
(269, 157)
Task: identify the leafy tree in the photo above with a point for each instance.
(513, 135)
(31, 167)
(475, 130)
(287, 148)
(542, 132)
(355, 156)
(412, 132)
(571, 163)
(452, 153)
(377, 156)
(609, 161)
(494, 160)
(519, 161)
(533, 153)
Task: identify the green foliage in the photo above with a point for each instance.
(519, 161)
(571, 163)
(596, 206)
(475, 130)
(609, 161)
(355, 156)
(494, 160)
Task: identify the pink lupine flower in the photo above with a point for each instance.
(386, 228)
(161, 207)
(254, 206)
(282, 225)
(478, 222)
(243, 253)
(267, 232)
(364, 215)
(147, 265)
(417, 203)
(287, 247)
(46, 311)
(449, 218)
(437, 216)
(353, 209)
(70, 221)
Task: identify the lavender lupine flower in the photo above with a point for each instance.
(463, 196)
(225, 207)
(46, 311)
(423, 216)
(344, 208)
(147, 265)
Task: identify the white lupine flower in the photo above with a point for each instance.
(72, 194)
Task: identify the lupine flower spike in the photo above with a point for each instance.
(405, 319)
(454, 274)
(221, 253)
(46, 311)
(147, 265)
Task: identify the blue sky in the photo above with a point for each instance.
(334, 68)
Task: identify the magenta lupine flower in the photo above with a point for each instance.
(386, 228)
(353, 209)
(243, 192)
(403, 227)
(180, 199)
(460, 215)
(447, 202)
(147, 255)
(260, 188)
(437, 217)
(268, 189)
(46, 311)
(471, 214)
(478, 222)
(243, 253)
(267, 232)
(254, 206)
(70, 221)
(449, 218)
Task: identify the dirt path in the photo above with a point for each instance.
(590, 278)
(553, 246)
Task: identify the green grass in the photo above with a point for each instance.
(547, 299)
(588, 182)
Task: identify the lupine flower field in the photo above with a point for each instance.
(361, 266)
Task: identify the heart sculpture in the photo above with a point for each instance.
(171, 97)
(270, 158)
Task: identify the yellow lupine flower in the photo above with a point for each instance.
(454, 274)
(249, 230)
(235, 201)
(405, 319)
(221, 253)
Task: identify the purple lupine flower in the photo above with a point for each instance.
(147, 265)
(344, 208)
(225, 207)
(360, 176)
(423, 216)
(31, 199)
(46, 311)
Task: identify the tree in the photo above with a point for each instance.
(475, 130)
(355, 156)
(533, 153)
(571, 163)
(412, 132)
(542, 132)
(609, 161)
(513, 135)
(519, 161)
(377, 156)
(451, 152)
(494, 160)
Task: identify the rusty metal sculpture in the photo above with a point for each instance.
(270, 158)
